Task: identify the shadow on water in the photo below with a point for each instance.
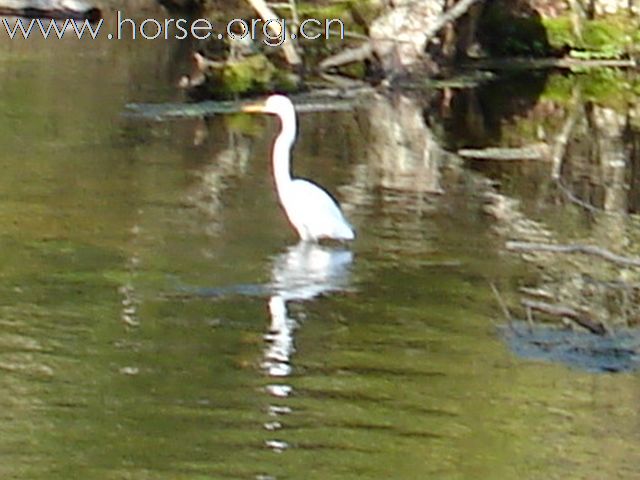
(516, 21)
(476, 117)
(582, 350)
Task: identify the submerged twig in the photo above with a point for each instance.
(573, 198)
(503, 305)
(575, 248)
(581, 318)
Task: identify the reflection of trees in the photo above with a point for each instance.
(594, 165)
(399, 172)
(480, 116)
(402, 159)
(594, 172)
(212, 179)
(592, 155)
(401, 151)
(590, 170)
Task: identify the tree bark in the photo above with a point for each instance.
(400, 37)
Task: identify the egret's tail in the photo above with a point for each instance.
(345, 232)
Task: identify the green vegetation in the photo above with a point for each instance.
(609, 37)
(607, 87)
(257, 74)
(249, 74)
(252, 74)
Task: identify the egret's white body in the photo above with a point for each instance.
(310, 209)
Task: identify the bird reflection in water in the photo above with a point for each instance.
(303, 272)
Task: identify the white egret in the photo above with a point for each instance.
(311, 210)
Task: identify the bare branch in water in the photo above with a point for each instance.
(573, 198)
(503, 305)
(581, 318)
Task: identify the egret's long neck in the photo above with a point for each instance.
(282, 149)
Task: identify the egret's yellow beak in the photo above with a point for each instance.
(257, 107)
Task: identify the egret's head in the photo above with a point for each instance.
(275, 105)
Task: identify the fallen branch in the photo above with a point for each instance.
(330, 100)
(269, 16)
(544, 63)
(575, 248)
(350, 55)
(451, 15)
(344, 83)
(581, 318)
(536, 292)
(400, 36)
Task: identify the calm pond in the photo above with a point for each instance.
(158, 321)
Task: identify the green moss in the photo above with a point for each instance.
(560, 32)
(610, 88)
(254, 74)
(249, 74)
(356, 15)
(606, 37)
(333, 10)
(559, 88)
(285, 81)
(354, 70)
(366, 10)
(605, 33)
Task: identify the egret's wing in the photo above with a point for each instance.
(315, 208)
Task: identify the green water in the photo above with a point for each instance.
(137, 261)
